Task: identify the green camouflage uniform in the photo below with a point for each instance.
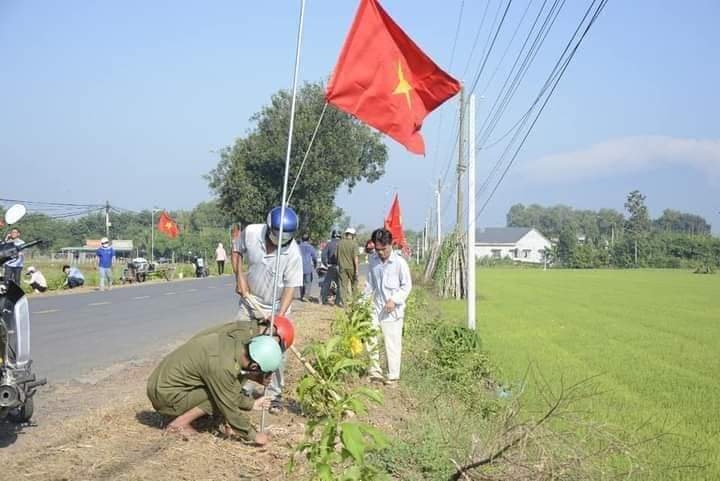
(346, 253)
(205, 372)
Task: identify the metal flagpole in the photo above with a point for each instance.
(286, 177)
(471, 216)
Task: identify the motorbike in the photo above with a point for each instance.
(200, 269)
(136, 271)
(332, 288)
(17, 381)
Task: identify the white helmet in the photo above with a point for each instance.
(104, 240)
(350, 231)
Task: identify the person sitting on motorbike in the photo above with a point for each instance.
(13, 267)
(37, 280)
(74, 277)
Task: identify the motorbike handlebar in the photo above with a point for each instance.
(30, 244)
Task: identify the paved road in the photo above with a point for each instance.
(73, 333)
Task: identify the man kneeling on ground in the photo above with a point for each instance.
(37, 280)
(205, 377)
(74, 277)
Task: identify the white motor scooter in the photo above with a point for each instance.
(17, 382)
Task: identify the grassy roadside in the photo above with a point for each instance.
(650, 336)
(52, 270)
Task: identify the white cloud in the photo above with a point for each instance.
(627, 155)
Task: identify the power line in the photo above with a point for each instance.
(36, 202)
(457, 33)
(477, 78)
(477, 36)
(452, 57)
(544, 88)
(467, 65)
(597, 12)
(502, 57)
(514, 78)
(492, 44)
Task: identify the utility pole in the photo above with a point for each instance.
(636, 254)
(461, 162)
(152, 232)
(107, 219)
(470, 262)
(425, 235)
(437, 209)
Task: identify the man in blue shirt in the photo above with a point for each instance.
(309, 263)
(74, 277)
(105, 254)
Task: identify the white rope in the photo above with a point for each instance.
(307, 152)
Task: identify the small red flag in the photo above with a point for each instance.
(393, 223)
(167, 225)
(384, 79)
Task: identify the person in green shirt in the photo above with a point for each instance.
(347, 258)
(205, 376)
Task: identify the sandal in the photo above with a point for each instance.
(275, 406)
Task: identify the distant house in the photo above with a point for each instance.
(522, 244)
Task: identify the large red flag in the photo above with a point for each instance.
(393, 223)
(167, 225)
(385, 80)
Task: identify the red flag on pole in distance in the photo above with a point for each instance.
(393, 223)
(167, 225)
(384, 79)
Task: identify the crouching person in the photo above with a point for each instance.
(205, 377)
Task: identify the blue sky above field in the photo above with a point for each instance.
(99, 98)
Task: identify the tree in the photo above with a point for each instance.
(567, 244)
(681, 222)
(248, 177)
(638, 224)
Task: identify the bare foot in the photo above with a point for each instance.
(185, 432)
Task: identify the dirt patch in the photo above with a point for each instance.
(105, 429)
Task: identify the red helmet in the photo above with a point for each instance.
(285, 330)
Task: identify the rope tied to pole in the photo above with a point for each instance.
(307, 152)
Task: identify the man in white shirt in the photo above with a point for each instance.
(258, 243)
(388, 284)
(37, 280)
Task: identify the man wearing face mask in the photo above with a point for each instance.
(258, 245)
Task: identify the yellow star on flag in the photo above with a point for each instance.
(403, 86)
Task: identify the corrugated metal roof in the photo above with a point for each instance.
(501, 235)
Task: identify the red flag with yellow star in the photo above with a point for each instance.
(385, 80)
(393, 223)
(167, 225)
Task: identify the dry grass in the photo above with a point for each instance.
(112, 433)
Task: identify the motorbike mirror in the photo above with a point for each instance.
(14, 214)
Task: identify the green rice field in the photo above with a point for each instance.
(652, 336)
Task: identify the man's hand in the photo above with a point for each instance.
(390, 305)
(261, 402)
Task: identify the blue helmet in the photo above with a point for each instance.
(289, 224)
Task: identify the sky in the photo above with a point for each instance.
(127, 101)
